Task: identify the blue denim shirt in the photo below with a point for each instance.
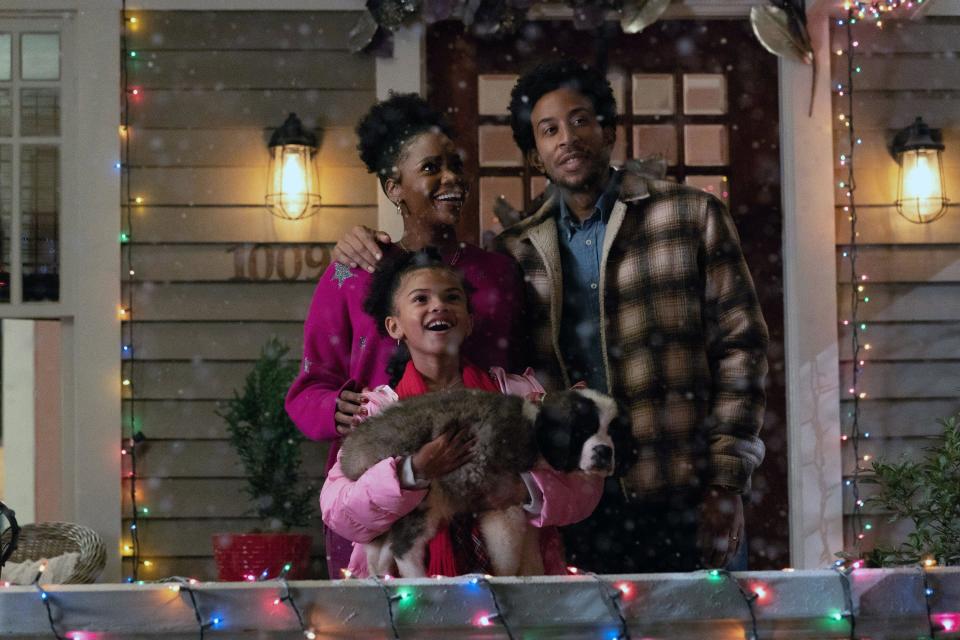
(581, 248)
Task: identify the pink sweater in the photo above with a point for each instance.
(364, 509)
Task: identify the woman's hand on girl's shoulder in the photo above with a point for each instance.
(359, 248)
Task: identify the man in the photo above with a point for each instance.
(638, 286)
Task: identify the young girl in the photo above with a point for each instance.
(423, 305)
(407, 145)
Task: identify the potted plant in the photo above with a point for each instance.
(268, 444)
(927, 493)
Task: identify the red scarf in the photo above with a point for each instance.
(443, 556)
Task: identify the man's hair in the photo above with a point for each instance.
(388, 126)
(550, 76)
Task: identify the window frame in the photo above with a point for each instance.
(66, 144)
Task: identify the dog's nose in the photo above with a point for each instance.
(603, 453)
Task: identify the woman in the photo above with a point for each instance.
(407, 145)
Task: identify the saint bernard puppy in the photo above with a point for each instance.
(570, 430)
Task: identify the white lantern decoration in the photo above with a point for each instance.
(293, 187)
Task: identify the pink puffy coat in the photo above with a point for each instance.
(364, 509)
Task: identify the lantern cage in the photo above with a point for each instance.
(921, 192)
(293, 186)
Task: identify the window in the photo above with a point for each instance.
(30, 164)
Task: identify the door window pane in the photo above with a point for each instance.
(39, 206)
(655, 139)
(704, 94)
(705, 145)
(493, 94)
(653, 94)
(6, 113)
(40, 112)
(5, 58)
(40, 56)
(497, 148)
(6, 218)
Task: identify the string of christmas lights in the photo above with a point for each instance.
(749, 598)
(181, 586)
(611, 598)
(847, 612)
(391, 598)
(47, 605)
(485, 621)
(856, 11)
(755, 593)
(877, 9)
(131, 443)
(286, 596)
(857, 282)
(927, 594)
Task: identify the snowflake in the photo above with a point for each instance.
(341, 273)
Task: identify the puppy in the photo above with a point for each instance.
(570, 430)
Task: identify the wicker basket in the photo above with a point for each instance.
(51, 539)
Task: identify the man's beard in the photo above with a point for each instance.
(591, 181)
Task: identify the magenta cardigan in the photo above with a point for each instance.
(343, 349)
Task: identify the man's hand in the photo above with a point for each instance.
(443, 454)
(349, 411)
(359, 248)
(720, 531)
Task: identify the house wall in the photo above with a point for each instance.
(909, 69)
(215, 274)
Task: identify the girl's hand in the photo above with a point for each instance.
(443, 454)
(350, 411)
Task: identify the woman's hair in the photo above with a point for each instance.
(379, 302)
(550, 76)
(387, 127)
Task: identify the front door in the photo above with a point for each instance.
(703, 94)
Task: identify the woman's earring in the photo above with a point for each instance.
(399, 210)
(398, 342)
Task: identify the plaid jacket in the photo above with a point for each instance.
(684, 340)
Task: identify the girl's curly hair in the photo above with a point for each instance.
(379, 302)
(387, 127)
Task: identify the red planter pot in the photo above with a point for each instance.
(242, 555)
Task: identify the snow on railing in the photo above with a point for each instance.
(867, 603)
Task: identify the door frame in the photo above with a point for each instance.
(809, 269)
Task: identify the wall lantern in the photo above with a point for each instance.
(921, 193)
(293, 187)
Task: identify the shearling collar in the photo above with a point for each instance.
(635, 185)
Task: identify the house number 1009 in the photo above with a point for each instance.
(261, 262)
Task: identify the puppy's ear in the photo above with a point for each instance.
(624, 444)
(554, 435)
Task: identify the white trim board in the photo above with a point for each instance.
(809, 269)
(19, 420)
(186, 5)
(91, 418)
